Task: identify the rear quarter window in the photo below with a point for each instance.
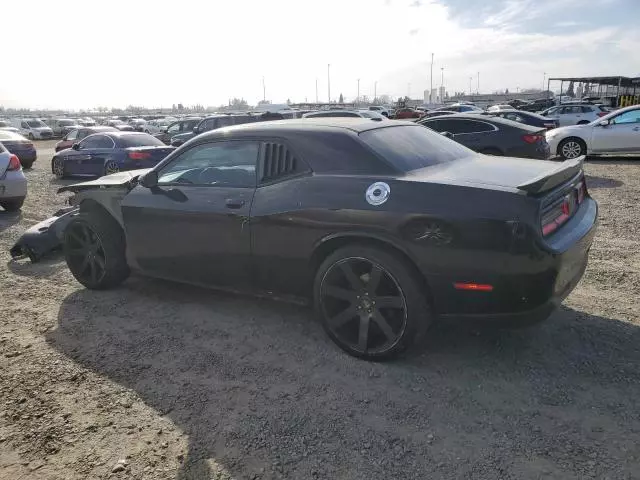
(410, 147)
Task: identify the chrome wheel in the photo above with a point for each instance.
(111, 167)
(571, 149)
(58, 167)
(85, 253)
(363, 305)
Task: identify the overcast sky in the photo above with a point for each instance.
(85, 54)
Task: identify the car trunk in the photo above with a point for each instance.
(533, 177)
(18, 146)
(148, 156)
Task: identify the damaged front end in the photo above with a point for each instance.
(47, 236)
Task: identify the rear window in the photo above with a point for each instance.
(141, 140)
(412, 147)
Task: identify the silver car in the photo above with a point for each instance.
(13, 184)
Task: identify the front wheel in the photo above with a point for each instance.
(94, 249)
(57, 167)
(571, 148)
(111, 167)
(370, 302)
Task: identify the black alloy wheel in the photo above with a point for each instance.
(369, 303)
(58, 167)
(85, 254)
(111, 167)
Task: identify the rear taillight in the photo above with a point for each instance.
(14, 163)
(139, 155)
(533, 138)
(563, 209)
(602, 114)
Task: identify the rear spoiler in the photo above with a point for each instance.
(548, 180)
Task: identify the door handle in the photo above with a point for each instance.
(234, 203)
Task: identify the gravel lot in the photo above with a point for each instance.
(162, 381)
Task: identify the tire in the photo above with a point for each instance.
(57, 167)
(571, 148)
(492, 151)
(583, 122)
(347, 314)
(26, 165)
(106, 257)
(12, 205)
(110, 167)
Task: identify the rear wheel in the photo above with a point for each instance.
(571, 148)
(94, 248)
(12, 205)
(370, 302)
(111, 167)
(583, 122)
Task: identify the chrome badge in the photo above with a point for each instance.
(378, 193)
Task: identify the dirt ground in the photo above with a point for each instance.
(161, 381)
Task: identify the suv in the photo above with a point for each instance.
(62, 126)
(177, 127)
(32, 128)
(580, 114)
(212, 123)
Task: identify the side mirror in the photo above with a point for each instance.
(76, 146)
(447, 134)
(149, 179)
(195, 130)
(604, 123)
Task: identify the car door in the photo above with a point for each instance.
(470, 133)
(79, 160)
(621, 135)
(571, 115)
(103, 147)
(193, 226)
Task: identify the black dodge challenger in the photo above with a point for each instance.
(384, 226)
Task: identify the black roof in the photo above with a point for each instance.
(482, 118)
(118, 133)
(322, 124)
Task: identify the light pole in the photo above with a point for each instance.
(544, 74)
(358, 97)
(478, 87)
(431, 81)
(409, 90)
(329, 82)
(375, 91)
(264, 91)
(316, 89)
(470, 80)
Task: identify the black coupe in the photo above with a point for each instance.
(386, 226)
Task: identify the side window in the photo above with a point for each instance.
(451, 126)
(226, 121)
(97, 141)
(175, 128)
(434, 125)
(230, 164)
(278, 162)
(587, 109)
(572, 110)
(632, 116)
(24, 125)
(209, 124)
(75, 135)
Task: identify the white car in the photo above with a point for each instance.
(13, 184)
(615, 133)
(32, 128)
(500, 108)
(579, 114)
(156, 126)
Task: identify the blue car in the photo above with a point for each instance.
(109, 152)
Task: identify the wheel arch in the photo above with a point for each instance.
(331, 243)
(93, 207)
(572, 137)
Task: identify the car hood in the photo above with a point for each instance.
(120, 179)
(501, 173)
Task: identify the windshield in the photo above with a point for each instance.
(140, 140)
(35, 124)
(410, 147)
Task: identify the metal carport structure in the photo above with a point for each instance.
(625, 90)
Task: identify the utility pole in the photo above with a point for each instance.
(543, 77)
(470, 80)
(375, 91)
(358, 97)
(316, 89)
(329, 82)
(478, 87)
(431, 80)
(264, 91)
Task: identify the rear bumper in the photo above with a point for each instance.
(548, 276)
(13, 185)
